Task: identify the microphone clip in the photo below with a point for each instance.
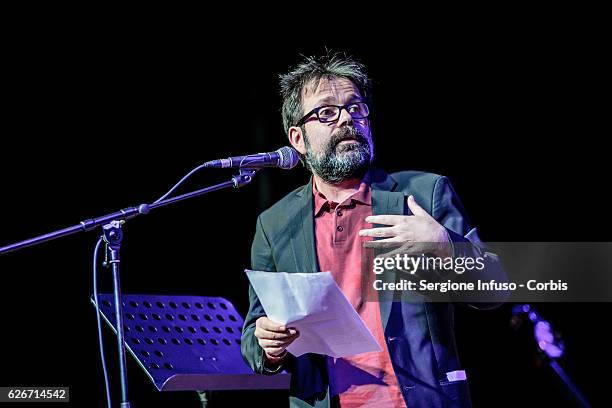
(244, 177)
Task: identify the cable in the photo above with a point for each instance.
(95, 284)
(95, 291)
(180, 182)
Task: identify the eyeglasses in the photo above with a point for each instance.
(331, 113)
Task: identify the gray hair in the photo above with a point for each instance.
(310, 72)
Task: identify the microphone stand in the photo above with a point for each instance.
(113, 235)
(549, 347)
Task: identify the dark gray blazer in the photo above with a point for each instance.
(419, 336)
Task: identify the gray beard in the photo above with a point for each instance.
(336, 165)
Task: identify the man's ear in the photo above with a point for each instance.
(296, 137)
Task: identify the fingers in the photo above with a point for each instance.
(266, 329)
(267, 324)
(274, 351)
(384, 243)
(277, 347)
(385, 219)
(415, 208)
(266, 344)
(270, 335)
(399, 225)
(393, 246)
(382, 232)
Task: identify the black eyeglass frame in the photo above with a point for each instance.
(340, 107)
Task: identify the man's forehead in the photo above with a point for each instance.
(329, 87)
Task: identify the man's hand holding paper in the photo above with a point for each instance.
(312, 305)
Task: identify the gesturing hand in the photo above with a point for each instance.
(419, 230)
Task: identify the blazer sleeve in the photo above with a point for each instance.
(448, 210)
(261, 260)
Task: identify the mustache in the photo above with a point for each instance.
(347, 133)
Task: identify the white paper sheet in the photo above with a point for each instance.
(317, 308)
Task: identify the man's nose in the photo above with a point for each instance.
(345, 118)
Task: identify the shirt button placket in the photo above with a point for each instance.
(339, 235)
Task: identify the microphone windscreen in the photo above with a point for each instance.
(288, 157)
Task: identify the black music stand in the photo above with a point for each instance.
(187, 343)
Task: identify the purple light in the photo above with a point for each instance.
(546, 339)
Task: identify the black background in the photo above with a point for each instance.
(92, 124)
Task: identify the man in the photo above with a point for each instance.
(322, 227)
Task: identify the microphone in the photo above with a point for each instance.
(286, 158)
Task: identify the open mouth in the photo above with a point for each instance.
(347, 141)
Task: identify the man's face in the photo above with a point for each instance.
(339, 150)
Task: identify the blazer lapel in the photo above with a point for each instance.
(302, 232)
(385, 201)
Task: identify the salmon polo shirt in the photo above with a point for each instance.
(366, 379)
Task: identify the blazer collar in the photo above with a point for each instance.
(379, 180)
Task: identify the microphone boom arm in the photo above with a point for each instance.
(243, 178)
